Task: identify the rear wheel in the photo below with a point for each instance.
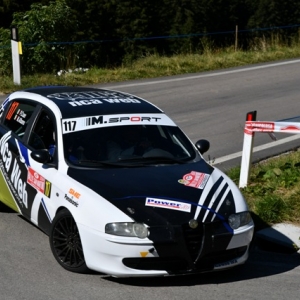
(65, 243)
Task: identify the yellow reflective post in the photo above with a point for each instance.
(20, 48)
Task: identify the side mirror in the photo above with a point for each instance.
(42, 156)
(202, 146)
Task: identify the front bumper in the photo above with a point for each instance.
(169, 252)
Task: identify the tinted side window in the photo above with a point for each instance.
(18, 116)
(43, 133)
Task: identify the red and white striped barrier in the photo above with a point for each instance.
(252, 126)
(262, 126)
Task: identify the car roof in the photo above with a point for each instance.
(85, 101)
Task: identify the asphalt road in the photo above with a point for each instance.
(213, 105)
(210, 105)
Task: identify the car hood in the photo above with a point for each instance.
(158, 195)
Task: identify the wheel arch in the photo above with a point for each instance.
(65, 242)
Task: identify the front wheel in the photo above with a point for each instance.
(65, 243)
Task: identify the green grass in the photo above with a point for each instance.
(156, 66)
(273, 193)
(273, 190)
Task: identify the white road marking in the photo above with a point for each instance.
(207, 75)
(256, 149)
(237, 154)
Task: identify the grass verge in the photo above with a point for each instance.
(273, 191)
(157, 66)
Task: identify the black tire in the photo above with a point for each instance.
(65, 243)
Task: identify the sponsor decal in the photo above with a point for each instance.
(38, 182)
(195, 179)
(144, 254)
(70, 200)
(265, 126)
(12, 110)
(47, 190)
(12, 172)
(20, 116)
(94, 97)
(258, 126)
(46, 210)
(83, 123)
(169, 204)
(2, 107)
(74, 193)
(226, 264)
(290, 128)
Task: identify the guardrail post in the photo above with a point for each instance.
(247, 150)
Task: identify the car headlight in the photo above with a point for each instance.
(127, 229)
(239, 219)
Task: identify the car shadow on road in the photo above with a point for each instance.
(260, 264)
(5, 209)
(265, 259)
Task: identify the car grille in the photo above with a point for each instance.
(156, 263)
(193, 239)
(197, 251)
(223, 256)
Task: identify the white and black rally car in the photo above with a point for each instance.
(146, 206)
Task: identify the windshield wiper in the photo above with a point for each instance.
(154, 159)
(133, 161)
(90, 162)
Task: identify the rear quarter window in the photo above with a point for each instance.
(18, 116)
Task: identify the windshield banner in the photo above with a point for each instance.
(85, 123)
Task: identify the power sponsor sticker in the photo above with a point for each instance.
(195, 179)
(84, 123)
(168, 204)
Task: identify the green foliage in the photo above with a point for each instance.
(156, 66)
(273, 191)
(136, 20)
(5, 52)
(8, 7)
(185, 16)
(110, 33)
(97, 22)
(271, 209)
(275, 13)
(41, 29)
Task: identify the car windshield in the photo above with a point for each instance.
(129, 145)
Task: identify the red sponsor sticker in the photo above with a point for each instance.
(194, 179)
(12, 110)
(36, 180)
(259, 126)
(290, 128)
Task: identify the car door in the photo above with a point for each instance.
(15, 191)
(42, 135)
(26, 184)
